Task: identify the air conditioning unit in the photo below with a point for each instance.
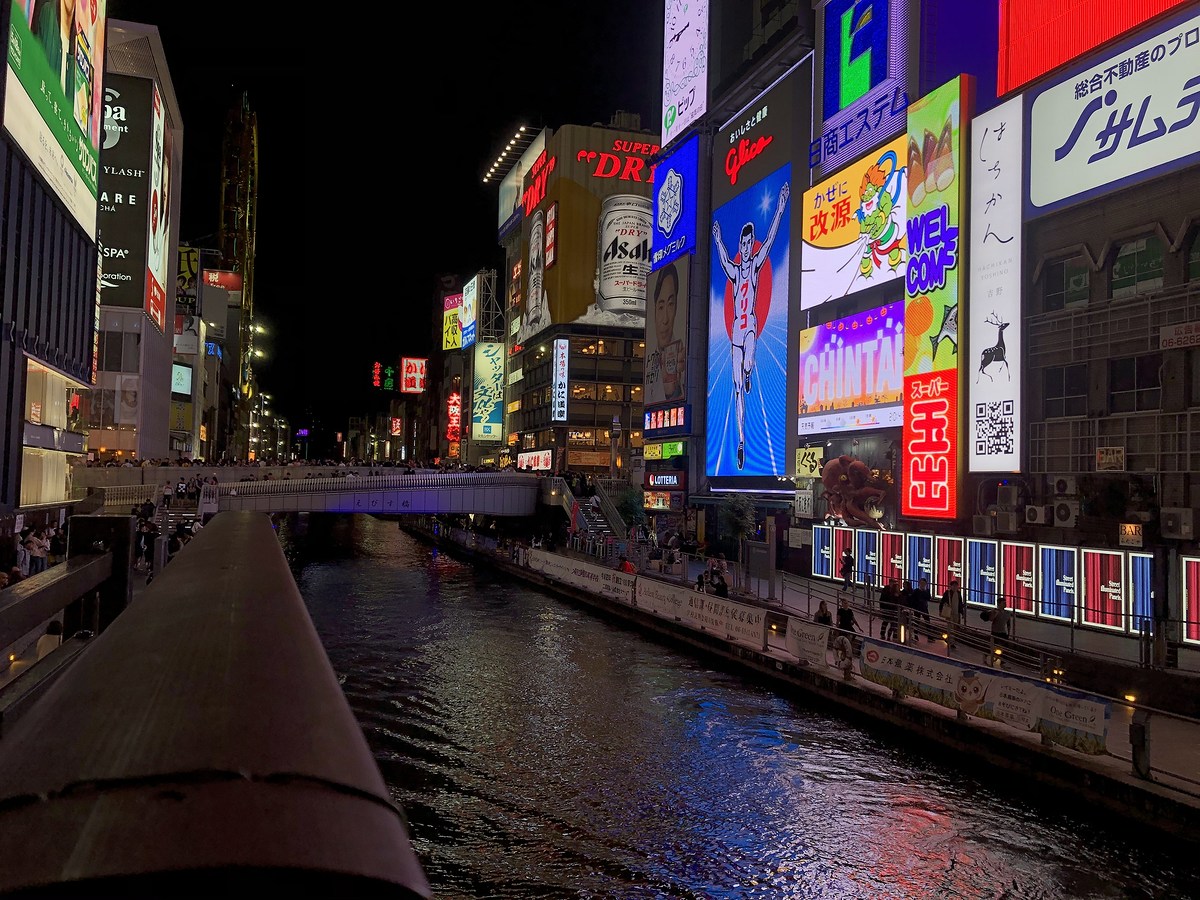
(1038, 515)
(1006, 495)
(1008, 522)
(1065, 513)
(984, 526)
(1176, 522)
(1063, 485)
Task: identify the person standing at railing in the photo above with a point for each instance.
(953, 608)
(847, 569)
(920, 600)
(889, 602)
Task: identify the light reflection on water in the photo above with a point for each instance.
(541, 751)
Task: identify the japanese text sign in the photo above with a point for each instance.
(558, 402)
(676, 211)
(413, 375)
(863, 62)
(932, 303)
(854, 227)
(487, 393)
(1117, 121)
(454, 417)
(995, 281)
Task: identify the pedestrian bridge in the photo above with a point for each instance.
(487, 493)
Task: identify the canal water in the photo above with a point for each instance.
(540, 751)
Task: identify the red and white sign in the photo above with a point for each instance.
(930, 445)
(1175, 337)
(536, 460)
(558, 402)
(666, 481)
(397, 426)
(454, 418)
(412, 379)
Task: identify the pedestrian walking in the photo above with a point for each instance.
(847, 569)
(953, 608)
(889, 602)
(919, 600)
(167, 493)
(823, 616)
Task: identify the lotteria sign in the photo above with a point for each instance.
(666, 481)
(933, 302)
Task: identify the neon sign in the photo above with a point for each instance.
(454, 417)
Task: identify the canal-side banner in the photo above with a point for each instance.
(666, 600)
(1068, 718)
(808, 641)
(586, 576)
(726, 618)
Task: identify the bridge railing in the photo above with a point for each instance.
(201, 743)
(374, 483)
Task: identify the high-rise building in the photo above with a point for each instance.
(137, 224)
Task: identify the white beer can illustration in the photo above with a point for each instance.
(623, 253)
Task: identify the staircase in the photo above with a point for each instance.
(594, 520)
(168, 519)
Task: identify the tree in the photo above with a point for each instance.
(736, 519)
(631, 506)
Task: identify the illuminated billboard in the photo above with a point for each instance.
(396, 426)
(454, 418)
(487, 393)
(666, 335)
(1102, 573)
(1057, 579)
(181, 379)
(587, 201)
(676, 209)
(854, 227)
(863, 62)
(1120, 120)
(1034, 42)
(54, 100)
(123, 217)
(932, 303)
(685, 66)
(559, 377)
(467, 312)
(753, 277)
(511, 200)
(451, 331)
(159, 213)
(994, 412)
(852, 372)
(412, 375)
(747, 336)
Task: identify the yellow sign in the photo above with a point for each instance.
(451, 334)
(809, 462)
(652, 451)
(181, 416)
(1130, 534)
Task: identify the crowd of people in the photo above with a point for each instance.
(35, 550)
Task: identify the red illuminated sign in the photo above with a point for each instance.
(666, 481)
(413, 375)
(397, 426)
(376, 374)
(230, 281)
(1037, 37)
(930, 445)
(454, 418)
(626, 161)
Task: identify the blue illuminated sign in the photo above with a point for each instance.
(864, 71)
(675, 204)
(822, 551)
(918, 560)
(212, 348)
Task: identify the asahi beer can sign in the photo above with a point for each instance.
(623, 253)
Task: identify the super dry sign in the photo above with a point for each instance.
(666, 481)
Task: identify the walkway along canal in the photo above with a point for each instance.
(1043, 736)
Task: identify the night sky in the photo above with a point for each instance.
(373, 142)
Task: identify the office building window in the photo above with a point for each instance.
(1138, 267)
(1064, 391)
(1065, 283)
(1194, 259)
(1135, 383)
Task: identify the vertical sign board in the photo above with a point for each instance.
(1141, 591)
(124, 182)
(54, 97)
(558, 402)
(866, 558)
(1190, 577)
(158, 214)
(666, 335)
(676, 204)
(864, 55)
(1016, 576)
(1057, 580)
(933, 302)
(467, 313)
(451, 327)
(1103, 588)
(487, 393)
(685, 66)
(983, 572)
(753, 279)
(918, 561)
(822, 551)
(413, 373)
(843, 540)
(1126, 116)
(891, 556)
(994, 367)
(948, 562)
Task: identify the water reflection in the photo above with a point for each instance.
(542, 752)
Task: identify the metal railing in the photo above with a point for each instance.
(615, 520)
(373, 483)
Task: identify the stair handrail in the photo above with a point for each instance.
(615, 521)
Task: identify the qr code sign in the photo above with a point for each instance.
(994, 428)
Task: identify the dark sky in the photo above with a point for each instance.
(372, 147)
